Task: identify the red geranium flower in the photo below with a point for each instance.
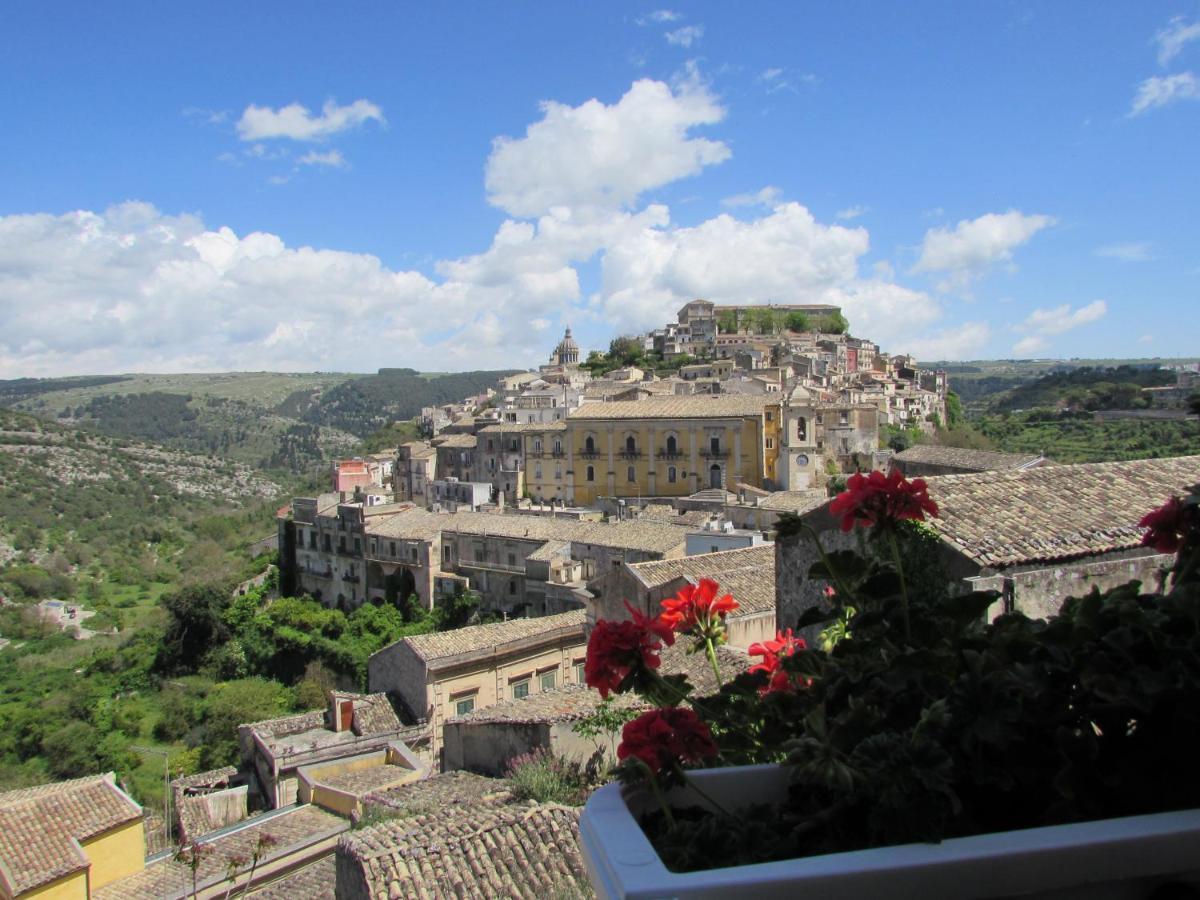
(697, 608)
(1165, 526)
(879, 499)
(616, 648)
(666, 738)
(785, 644)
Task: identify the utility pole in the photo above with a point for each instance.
(166, 787)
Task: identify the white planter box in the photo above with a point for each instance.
(1113, 859)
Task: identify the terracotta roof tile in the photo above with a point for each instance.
(1055, 512)
(41, 827)
(748, 574)
(445, 791)
(513, 852)
(964, 458)
(171, 879)
(443, 644)
(696, 406)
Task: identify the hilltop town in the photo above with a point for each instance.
(594, 487)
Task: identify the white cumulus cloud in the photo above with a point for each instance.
(962, 342)
(1134, 251)
(131, 288)
(685, 36)
(332, 159)
(768, 196)
(299, 124)
(1042, 324)
(1172, 39)
(975, 244)
(1155, 92)
(603, 155)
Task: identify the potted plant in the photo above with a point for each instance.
(920, 751)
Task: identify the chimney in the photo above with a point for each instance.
(343, 714)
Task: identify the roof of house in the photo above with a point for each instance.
(649, 536)
(567, 703)
(1054, 512)
(373, 715)
(41, 828)
(318, 879)
(794, 501)
(748, 574)
(447, 790)
(694, 406)
(965, 458)
(455, 440)
(494, 635)
(171, 879)
(521, 427)
(509, 851)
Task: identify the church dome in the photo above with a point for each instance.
(567, 351)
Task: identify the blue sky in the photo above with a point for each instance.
(298, 187)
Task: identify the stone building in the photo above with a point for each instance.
(416, 468)
(448, 673)
(520, 565)
(748, 574)
(545, 462)
(275, 750)
(670, 446)
(1036, 536)
(69, 838)
(456, 455)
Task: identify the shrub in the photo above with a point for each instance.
(542, 776)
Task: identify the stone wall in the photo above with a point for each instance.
(397, 671)
(1040, 592)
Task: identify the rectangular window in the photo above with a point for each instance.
(312, 540)
(327, 546)
(358, 545)
(630, 474)
(392, 547)
(520, 689)
(580, 678)
(770, 416)
(548, 680)
(770, 443)
(414, 554)
(462, 707)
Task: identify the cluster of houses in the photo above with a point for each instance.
(597, 497)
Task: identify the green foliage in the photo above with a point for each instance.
(364, 405)
(964, 727)
(954, 411)
(391, 435)
(798, 321)
(1071, 438)
(1087, 389)
(626, 350)
(605, 721)
(547, 778)
(234, 703)
(727, 322)
(835, 323)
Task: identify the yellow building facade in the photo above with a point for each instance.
(670, 446)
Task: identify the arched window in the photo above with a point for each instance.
(591, 473)
(630, 474)
(630, 444)
(671, 474)
(714, 476)
(557, 447)
(589, 446)
(672, 445)
(802, 429)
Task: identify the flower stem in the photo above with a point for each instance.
(712, 658)
(903, 585)
(656, 789)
